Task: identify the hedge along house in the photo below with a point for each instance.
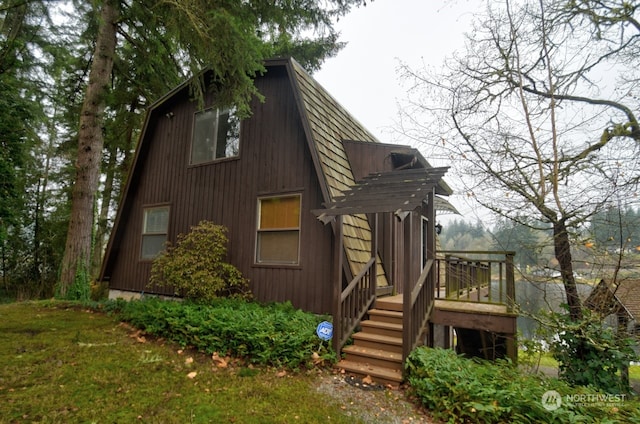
(300, 161)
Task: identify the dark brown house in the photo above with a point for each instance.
(303, 189)
(261, 178)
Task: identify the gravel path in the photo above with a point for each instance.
(371, 403)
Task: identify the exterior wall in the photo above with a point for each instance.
(274, 159)
(366, 158)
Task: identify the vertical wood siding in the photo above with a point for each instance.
(274, 159)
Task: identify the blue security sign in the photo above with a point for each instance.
(325, 330)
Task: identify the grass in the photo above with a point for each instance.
(547, 360)
(62, 364)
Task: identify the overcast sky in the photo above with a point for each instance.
(364, 78)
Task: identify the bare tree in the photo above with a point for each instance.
(539, 115)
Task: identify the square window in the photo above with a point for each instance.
(278, 238)
(216, 135)
(155, 227)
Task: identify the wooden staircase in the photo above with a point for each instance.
(377, 348)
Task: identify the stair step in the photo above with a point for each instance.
(382, 328)
(378, 374)
(378, 357)
(389, 303)
(377, 341)
(393, 317)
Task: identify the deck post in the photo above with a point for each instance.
(510, 280)
(407, 288)
(373, 277)
(431, 227)
(337, 286)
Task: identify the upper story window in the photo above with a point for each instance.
(278, 238)
(216, 135)
(155, 226)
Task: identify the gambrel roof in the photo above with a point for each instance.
(327, 127)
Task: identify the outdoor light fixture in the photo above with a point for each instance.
(438, 228)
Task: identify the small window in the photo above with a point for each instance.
(216, 135)
(278, 239)
(155, 226)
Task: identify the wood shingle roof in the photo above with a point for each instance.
(624, 297)
(327, 124)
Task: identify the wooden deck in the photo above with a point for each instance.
(474, 315)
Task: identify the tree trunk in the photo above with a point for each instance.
(562, 248)
(77, 254)
(115, 177)
(102, 225)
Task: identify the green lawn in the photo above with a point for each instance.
(60, 365)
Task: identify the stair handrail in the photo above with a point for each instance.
(355, 300)
(418, 303)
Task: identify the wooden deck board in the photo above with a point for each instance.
(472, 307)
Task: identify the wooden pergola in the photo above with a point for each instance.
(400, 192)
(396, 191)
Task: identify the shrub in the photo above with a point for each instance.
(274, 334)
(460, 390)
(195, 267)
(590, 353)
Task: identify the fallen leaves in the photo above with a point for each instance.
(317, 359)
(135, 334)
(219, 361)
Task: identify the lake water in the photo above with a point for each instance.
(533, 297)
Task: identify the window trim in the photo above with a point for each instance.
(143, 232)
(258, 231)
(192, 144)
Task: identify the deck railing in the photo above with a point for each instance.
(478, 276)
(354, 303)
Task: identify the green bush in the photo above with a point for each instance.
(590, 353)
(460, 390)
(195, 267)
(274, 334)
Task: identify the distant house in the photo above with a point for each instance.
(319, 213)
(621, 301)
